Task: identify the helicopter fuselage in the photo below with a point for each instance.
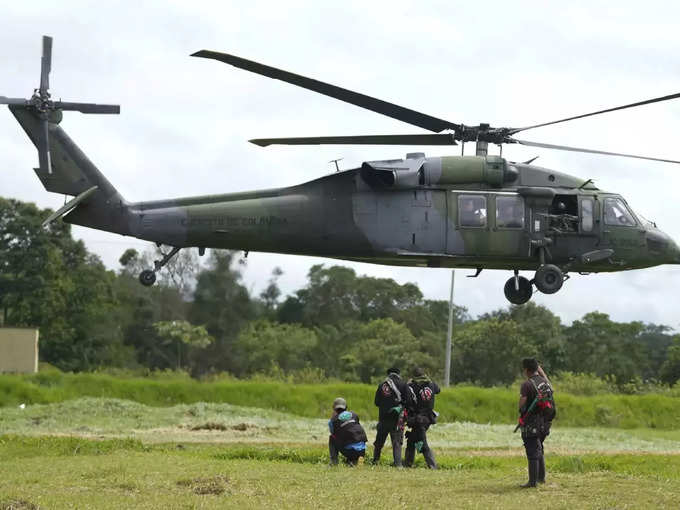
(412, 212)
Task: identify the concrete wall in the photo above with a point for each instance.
(18, 350)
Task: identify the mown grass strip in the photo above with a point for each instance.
(460, 403)
(660, 467)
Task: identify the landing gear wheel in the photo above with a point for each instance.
(521, 295)
(549, 279)
(147, 278)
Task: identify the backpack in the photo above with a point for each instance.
(545, 401)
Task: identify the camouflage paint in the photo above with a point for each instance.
(409, 219)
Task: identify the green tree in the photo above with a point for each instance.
(489, 352)
(48, 280)
(541, 329)
(596, 344)
(382, 343)
(261, 343)
(184, 337)
(670, 370)
(224, 306)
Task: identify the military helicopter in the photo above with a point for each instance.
(479, 212)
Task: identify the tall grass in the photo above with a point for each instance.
(460, 403)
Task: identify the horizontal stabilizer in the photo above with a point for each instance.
(70, 205)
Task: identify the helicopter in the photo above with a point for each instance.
(477, 211)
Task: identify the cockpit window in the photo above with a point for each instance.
(616, 213)
(509, 212)
(472, 210)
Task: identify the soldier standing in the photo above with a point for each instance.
(390, 399)
(537, 410)
(421, 415)
(347, 436)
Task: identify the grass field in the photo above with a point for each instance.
(79, 473)
(172, 442)
(460, 403)
(111, 453)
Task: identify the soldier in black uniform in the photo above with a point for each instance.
(347, 434)
(421, 415)
(535, 421)
(390, 399)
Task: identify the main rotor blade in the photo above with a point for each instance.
(589, 151)
(45, 64)
(370, 103)
(443, 139)
(87, 107)
(44, 147)
(631, 105)
(13, 100)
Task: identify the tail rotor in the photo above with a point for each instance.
(42, 104)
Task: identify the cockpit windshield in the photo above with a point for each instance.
(616, 213)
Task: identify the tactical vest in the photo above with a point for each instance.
(389, 393)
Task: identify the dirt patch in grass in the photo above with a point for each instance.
(18, 505)
(206, 485)
(211, 425)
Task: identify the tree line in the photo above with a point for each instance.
(201, 318)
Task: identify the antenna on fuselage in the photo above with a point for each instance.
(337, 168)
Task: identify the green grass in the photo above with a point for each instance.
(225, 423)
(77, 473)
(461, 403)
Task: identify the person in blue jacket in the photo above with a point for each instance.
(347, 435)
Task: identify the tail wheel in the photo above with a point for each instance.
(549, 279)
(147, 278)
(518, 291)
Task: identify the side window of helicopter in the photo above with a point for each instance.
(616, 213)
(472, 210)
(509, 212)
(587, 214)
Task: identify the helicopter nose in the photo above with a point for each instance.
(662, 247)
(675, 252)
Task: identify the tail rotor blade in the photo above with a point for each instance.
(87, 107)
(46, 65)
(44, 147)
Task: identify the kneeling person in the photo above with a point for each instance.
(347, 434)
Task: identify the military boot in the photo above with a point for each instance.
(429, 458)
(410, 455)
(541, 470)
(533, 474)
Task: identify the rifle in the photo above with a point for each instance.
(524, 416)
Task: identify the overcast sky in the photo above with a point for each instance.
(185, 122)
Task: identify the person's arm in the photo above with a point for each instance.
(523, 397)
(522, 402)
(376, 400)
(435, 388)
